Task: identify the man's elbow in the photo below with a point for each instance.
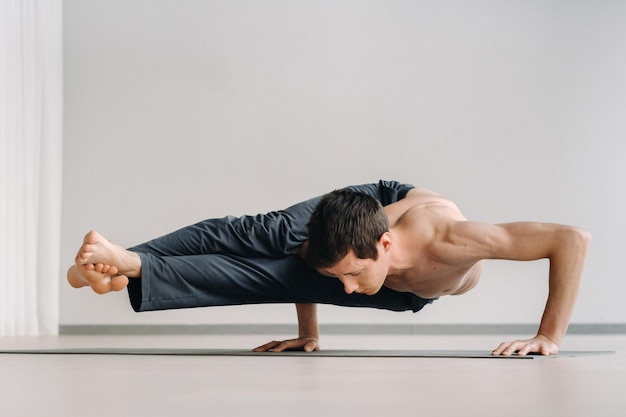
(578, 238)
(583, 235)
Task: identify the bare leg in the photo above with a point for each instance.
(103, 265)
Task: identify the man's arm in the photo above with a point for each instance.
(308, 333)
(565, 247)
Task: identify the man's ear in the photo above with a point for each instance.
(385, 240)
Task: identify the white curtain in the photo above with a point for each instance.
(30, 165)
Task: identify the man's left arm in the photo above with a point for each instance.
(565, 247)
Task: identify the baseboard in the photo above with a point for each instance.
(355, 329)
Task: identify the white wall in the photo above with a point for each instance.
(179, 110)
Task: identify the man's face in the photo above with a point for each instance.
(362, 276)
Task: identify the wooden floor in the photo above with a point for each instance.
(173, 386)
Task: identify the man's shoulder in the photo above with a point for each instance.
(422, 193)
(426, 203)
(428, 222)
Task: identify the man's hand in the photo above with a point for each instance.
(308, 344)
(538, 344)
(308, 333)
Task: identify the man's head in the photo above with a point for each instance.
(347, 232)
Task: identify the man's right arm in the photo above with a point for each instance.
(566, 248)
(308, 333)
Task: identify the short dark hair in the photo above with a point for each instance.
(344, 220)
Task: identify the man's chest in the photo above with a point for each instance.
(435, 280)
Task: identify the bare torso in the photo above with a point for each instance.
(418, 223)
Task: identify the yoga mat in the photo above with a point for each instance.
(321, 353)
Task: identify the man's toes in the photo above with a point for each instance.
(107, 270)
(79, 260)
(91, 237)
(84, 253)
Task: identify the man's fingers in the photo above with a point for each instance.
(525, 350)
(524, 347)
(513, 347)
(267, 346)
(307, 345)
(506, 349)
(276, 346)
(289, 344)
(501, 348)
(311, 346)
(280, 347)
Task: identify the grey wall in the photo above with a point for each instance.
(179, 110)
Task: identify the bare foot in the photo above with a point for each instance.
(101, 278)
(103, 265)
(77, 280)
(97, 250)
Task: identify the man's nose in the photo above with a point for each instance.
(349, 286)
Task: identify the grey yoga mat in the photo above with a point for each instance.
(321, 353)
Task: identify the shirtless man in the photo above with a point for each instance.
(419, 245)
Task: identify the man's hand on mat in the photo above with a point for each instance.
(538, 344)
(308, 344)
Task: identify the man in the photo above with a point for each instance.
(389, 245)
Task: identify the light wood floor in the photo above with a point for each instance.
(118, 386)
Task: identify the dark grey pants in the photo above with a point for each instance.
(248, 260)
